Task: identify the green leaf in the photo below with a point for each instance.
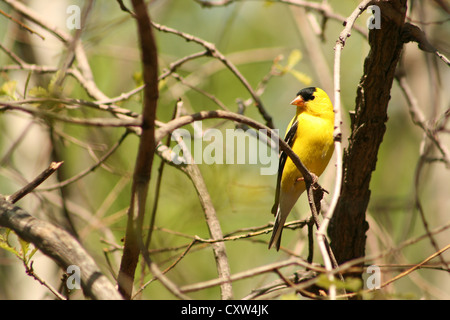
(353, 284)
(32, 253)
(24, 254)
(138, 79)
(162, 84)
(42, 93)
(289, 296)
(38, 92)
(54, 89)
(24, 248)
(350, 284)
(4, 244)
(294, 58)
(9, 89)
(300, 76)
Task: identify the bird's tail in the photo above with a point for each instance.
(277, 230)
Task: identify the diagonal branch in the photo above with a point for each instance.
(214, 52)
(35, 183)
(60, 246)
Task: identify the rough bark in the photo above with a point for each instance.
(348, 227)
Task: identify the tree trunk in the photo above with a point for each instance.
(348, 227)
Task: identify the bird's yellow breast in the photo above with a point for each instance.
(314, 145)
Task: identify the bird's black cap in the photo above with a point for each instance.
(307, 93)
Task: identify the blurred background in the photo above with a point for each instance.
(281, 46)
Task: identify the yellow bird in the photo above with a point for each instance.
(310, 135)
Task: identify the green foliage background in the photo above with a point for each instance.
(251, 34)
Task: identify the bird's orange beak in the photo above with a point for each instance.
(298, 101)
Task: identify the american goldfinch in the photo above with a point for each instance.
(310, 135)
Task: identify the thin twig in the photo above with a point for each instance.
(418, 117)
(22, 25)
(214, 52)
(181, 256)
(243, 275)
(405, 273)
(89, 169)
(158, 184)
(390, 251)
(321, 233)
(96, 122)
(219, 249)
(322, 8)
(30, 271)
(35, 183)
(175, 65)
(13, 56)
(203, 92)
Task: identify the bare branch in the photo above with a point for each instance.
(60, 246)
(340, 43)
(414, 33)
(96, 122)
(142, 171)
(214, 52)
(22, 25)
(89, 169)
(222, 114)
(245, 274)
(35, 183)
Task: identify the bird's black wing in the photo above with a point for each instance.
(289, 139)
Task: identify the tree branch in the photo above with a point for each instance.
(35, 183)
(348, 226)
(60, 246)
(142, 171)
(329, 258)
(214, 52)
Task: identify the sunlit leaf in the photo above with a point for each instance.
(24, 245)
(53, 88)
(38, 92)
(31, 254)
(289, 296)
(350, 284)
(294, 58)
(161, 84)
(9, 89)
(300, 76)
(138, 79)
(4, 244)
